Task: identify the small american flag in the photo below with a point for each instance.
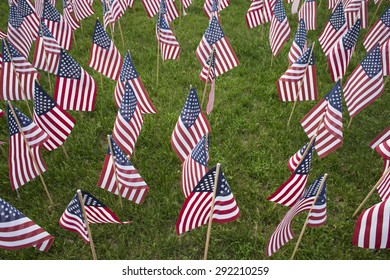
(57, 123)
(255, 15)
(299, 44)
(107, 14)
(210, 6)
(330, 133)
(186, 3)
(129, 74)
(196, 210)
(279, 31)
(215, 37)
(29, 15)
(47, 51)
(379, 32)
(291, 190)
(317, 215)
(170, 48)
(383, 136)
(195, 166)
(151, 7)
(299, 82)
(17, 82)
(21, 164)
(308, 13)
(128, 122)
(340, 55)
(67, 11)
(60, 29)
(372, 227)
(18, 231)
(132, 186)
(385, 51)
(334, 29)
(384, 187)
(365, 84)
(116, 9)
(351, 9)
(332, 4)
(211, 77)
(363, 14)
(105, 57)
(171, 9)
(82, 9)
(75, 89)
(190, 127)
(269, 9)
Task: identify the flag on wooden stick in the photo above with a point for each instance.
(379, 32)
(308, 13)
(280, 30)
(299, 44)
(170, 48)
(384, 187)
(82, 9)
(210, 6)
(67, 11)
(151, 7)
(30, 16)
(351, 8)
(385, 51)
(383, 136)
(255, 16)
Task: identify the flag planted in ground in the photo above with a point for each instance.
(308, 13)
(170, 48)
(255, 15)
(379, 32)
(383, 136)
(384, 187)
(280, 30)
(299, 44)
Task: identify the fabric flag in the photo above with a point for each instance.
(299, 82)
(294, 6)
(82, 9)
(116, 9)
(129, 74)
(291, 190)
(363, 14)
(332, 4)
(18, 75)
(334, 29)
(170, 48)
(279, 31)
(372, 227)
(196, 210)
(351, 8)
(30, 17)
(47, 51)
(209, 6)
(21, 164)
(18, 231)
(255, 14)
(308, 13)
(383, 136)
(172, 12)
(299, 44)
(60, 29)
(317, 216)
(186, 3)
(365, 84)
(132, 186)
(75, 89)
(128, 122)
(269, 9)
(215, 37)
(340, 56)
(385, 51)
(195, 166)
(190, 127)
(327, 114)
(67, 9)
(211, 77)
(1, 113)
(151, 7)
(379, 32)
(107, 14)
(97, 213)
(57, 123)
(105, 57)
(383, 188)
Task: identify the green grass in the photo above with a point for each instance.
(249, 138)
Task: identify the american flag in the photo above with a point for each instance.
(60, 29)
(105, 57)
(170, 48)
(186, 3)
(372, 227)
(18, 231)
(317, 215)
(295, 159)
(211, 77)
(363, 14)
(208, 6)
(383, 136)
(365, 84)
(308, 13)
(295, 6)
(291, 190)
(385, 50)
(129, 74)
(327, 114)
(379, 32)
(190, 127)
(47, 51)
(57, 123)
(17, 82)
(21, 164)
(75, 89)
(279, 31)
(299, 44)
(334, 29)
(171, 9)
(299, 82)
(29, 15)
(255, 15)
(332, 4)
(116, 9)
(351, 8)
(128, 122)
(269, 9)
(82, 9)
(215, 37)
(151, 7)
(196, 210)
(195, 166)
(384, 187)
(67, 11)
(97, 213)
(132, 186)
(340, 56)
(107, 14)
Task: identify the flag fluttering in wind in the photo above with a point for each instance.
(82, 9)
(255, 16)
(210, 6)
(30, 16)
(196, 210)
(190, 127)
(379, 32)
(308, 13)
(169, 10)
(299, 44)
(18, 231)
(384, 187)
(351, 8)
(170, 48)
(317, 215)
(280, 30)
(365, 84)
(269, 9)
(208, 73)
(186, 3)
(67, 11)
(383, 136)
(151, 7)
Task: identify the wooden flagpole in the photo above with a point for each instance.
(81, 200)
(30, 151)
(115, 172)
(74, 39)
(17, 76)
(308, 215)
(120, 31)
(300, 84)
(349, 123)
(372, 191)
(158, 45)
(377, 9)
(44, 51)
(211, 211)
(208, 75)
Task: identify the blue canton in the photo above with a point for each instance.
(303, 59)
(15, 18)
(214, 6)
(163, 23)
(212, 61)
(14, 53)
(24, 8)
(349, 40)
(191, 109)
(163, 7)
(372, 63)
(43, 103)
(313, 189)
(206, 184)
(199, 153)
(68, 67)
(8, 213)
(337, 19)
(74, 208)
(300, 36)
(279, 12)
(46, 31)
(128, 71)
(90, 200)
(334, 97)
(50, 13)
(304, 167)
(129, 103)
(100, 37)
(214, 31)
(223, 188)
(12, 124)
(120, 156)
(385, 17)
